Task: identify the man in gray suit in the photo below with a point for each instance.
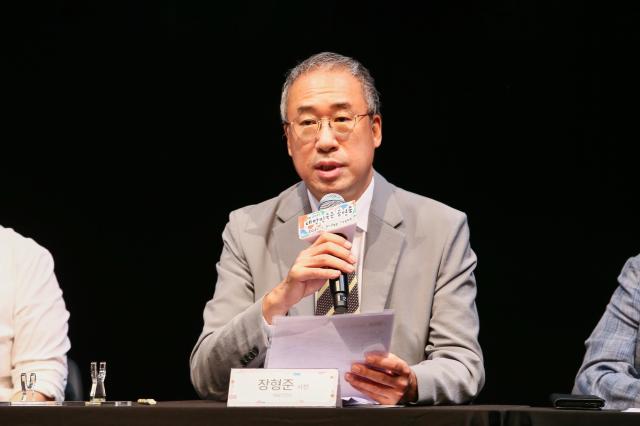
(409, 253)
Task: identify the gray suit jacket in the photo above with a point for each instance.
(417, 262)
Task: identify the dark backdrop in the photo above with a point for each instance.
(131, 130)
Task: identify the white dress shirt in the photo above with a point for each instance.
(33, 318)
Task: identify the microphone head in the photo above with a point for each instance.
(330, 200)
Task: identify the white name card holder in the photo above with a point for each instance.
(284, 387)
(36, 403)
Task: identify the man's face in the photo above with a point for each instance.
(329, 164)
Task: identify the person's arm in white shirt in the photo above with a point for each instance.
(40, 323)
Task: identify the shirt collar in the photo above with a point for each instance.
(363, 204)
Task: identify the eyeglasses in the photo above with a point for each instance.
(307, 128)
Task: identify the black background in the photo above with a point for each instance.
(131, 130)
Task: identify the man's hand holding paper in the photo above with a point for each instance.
(385, 378)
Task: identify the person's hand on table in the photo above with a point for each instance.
(32, 396)
(384, 378)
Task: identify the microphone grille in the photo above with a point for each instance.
(330, 200)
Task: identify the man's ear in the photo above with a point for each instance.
(376, 129)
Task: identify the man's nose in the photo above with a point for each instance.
(326, 138)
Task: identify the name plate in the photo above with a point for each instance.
(283, 387)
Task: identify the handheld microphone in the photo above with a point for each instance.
(339, 287)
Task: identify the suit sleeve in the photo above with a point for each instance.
(453, 370)
(233, 335)
(609, 366)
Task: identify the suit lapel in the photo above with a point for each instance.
(383, 245)
(287, 243)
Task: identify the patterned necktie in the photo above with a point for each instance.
(324, 301)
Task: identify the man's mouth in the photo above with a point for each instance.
(327, 166)
(328, 170)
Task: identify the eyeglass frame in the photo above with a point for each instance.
(356, 118)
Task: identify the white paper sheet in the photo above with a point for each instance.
(329, 342)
